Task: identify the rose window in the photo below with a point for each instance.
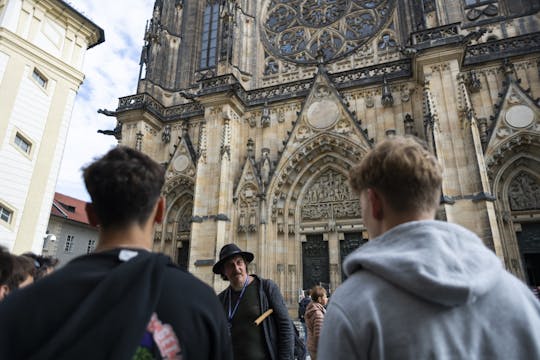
(307, 31)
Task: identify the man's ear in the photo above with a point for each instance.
(376, 203)
(4, 291)
(160, 210)
(92, 217)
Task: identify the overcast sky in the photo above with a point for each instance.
(111, 71)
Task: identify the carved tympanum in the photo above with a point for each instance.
(330, 197)
(524, 193)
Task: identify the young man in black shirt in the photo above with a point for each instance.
(123, 301)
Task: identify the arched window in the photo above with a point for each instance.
(209, 35)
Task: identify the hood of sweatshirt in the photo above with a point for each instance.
(434, 260)
(312, 308)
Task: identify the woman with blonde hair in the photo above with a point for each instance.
(314, 317)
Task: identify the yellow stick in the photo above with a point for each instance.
(263, 316)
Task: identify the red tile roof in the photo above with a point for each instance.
(69, 208)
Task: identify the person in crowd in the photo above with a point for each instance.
(258, 318)
(315, 312)
(23, 272)
(302, 305)
(44, 265)
(422, 288)
(121, 301)
(6, 269)
(300, 351)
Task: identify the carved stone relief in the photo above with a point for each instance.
(202, 143)
(265, 168)
(524, 192)
(303, 133)
(329, 197)
(248, 208)
(150, 130)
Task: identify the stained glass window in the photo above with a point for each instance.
(303, 31)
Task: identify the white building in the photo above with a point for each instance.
(42, 48)
(73, 234)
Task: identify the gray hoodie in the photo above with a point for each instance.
(429, 290)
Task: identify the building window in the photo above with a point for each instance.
(69, 208)
(5, 214)
(209, 35)
(69, 244)
(39, 78)
(91, 246)
(22, 143)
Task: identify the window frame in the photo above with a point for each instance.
(68, 246)
(12, 215)
(91, 246)
(18, 134)
(39, 78)
(209, 36)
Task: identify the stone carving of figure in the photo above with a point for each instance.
(166, 135)
(252, 221)
(322, 91)
(265, 167)
(116, 132)
(242, 223)
(524, 193)
(265, 117)
(342, 127)
(303, 133)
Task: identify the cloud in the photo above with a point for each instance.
(111, 71)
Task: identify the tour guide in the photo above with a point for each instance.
(259, 322)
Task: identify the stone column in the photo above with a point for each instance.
(213, 198)
(455, 146)
(333, 259)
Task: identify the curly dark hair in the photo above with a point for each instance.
(124, 185)
(6, 265)
(23, 267)
(42, 264)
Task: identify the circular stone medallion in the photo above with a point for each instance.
(181, 163)
(519, 116)
(322, 114)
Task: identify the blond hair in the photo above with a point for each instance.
(404, 172)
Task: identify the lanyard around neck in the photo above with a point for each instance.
(231, 313)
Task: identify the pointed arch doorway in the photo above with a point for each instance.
(330, 225)
(174, 236)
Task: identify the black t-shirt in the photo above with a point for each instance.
(247, 338)
(100, 306)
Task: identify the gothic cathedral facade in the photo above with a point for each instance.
(258, 109)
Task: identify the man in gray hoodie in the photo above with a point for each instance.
(421, 288)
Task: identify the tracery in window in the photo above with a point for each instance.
(481, 9)
(303, 31)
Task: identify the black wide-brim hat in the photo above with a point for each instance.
(226, 252)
